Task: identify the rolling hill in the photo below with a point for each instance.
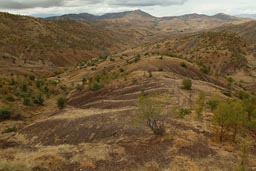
(75, 91)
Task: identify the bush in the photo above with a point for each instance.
(61, 102)
(39, 100)
(183, 64)
(183, 112)
(79, 87)
(213, 103)
(8, 130)
(187, 84)
(5, 113)
(10, 98)
(26, 101)
(137, 57)
(151, 113)
(96, 86)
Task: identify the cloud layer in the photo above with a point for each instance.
(21, 4)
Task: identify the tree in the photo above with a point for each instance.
(187, 84)
(229, 114)
(61, 102)
(250, 107)
(200, 105)
(151, 113)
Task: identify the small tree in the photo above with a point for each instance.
(61, 102)
(187, 84)
(200, 104)
(151, 112)
(229, 114)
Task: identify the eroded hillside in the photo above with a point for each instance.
(91, 116)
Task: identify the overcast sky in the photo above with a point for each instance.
(158, 8)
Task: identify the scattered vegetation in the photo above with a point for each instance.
(150, 111)
(61, 102)
(187, 84)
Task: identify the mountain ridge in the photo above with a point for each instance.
(88, 16)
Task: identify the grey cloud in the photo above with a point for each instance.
(25, 4)
(146, 2)
(17, 4)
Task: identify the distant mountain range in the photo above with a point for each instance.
(247, 16)
(87, 16)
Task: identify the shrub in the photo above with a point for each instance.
(8, 130)
(187, 84)
(137, 57)
(96, 86)
(150, 74)
(61, 102)
(205, 69)
(39, 100)
(26, 101)
(183, 64)
(79, 87)
(213, 103)
(183, 112)
(5, 113)
(151, 112)
(10, 98)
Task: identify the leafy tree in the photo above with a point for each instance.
(229, 114)
(250, 107)
(187, 84)
(151, 113)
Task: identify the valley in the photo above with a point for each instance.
(79, 92)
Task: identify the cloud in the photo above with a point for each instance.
(18, 4)
(140, 3)
(26, 4)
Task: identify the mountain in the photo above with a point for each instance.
(86, 16)
(82, 16)
(247, 16)
(225, 17)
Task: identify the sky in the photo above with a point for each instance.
(159, 8)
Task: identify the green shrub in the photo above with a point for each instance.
(26, 101)
(5, 113)
(183, 112)
(10, 98)
(8, 130)
(137, 57)
(213, 103)
(183, 64)
(187, 84)
(79, 87)
(61, 102)
(205, 69)
(39, 100)
(96, 86)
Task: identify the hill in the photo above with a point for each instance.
(133, 93)
(62, 42)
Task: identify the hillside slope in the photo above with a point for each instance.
(62, 42)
